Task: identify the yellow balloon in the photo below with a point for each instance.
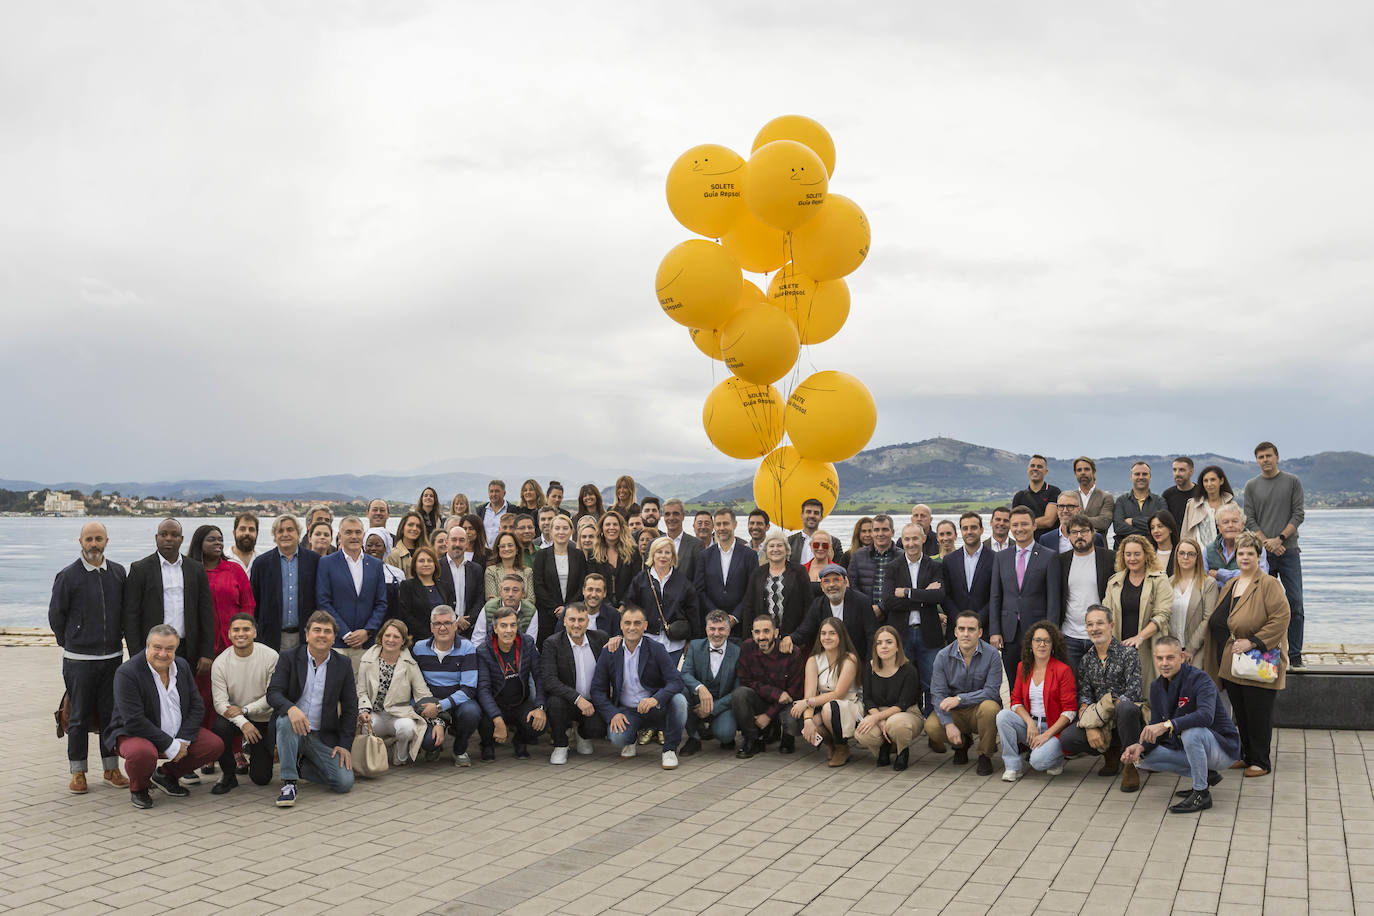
(805, 131)
(835, 243)
(817, 310)
(704, 188)
(757, 246)
(698, 284)
(743, 420)
(760, 344)
(785, 184)
(707, 340)
(831, 416)
(785, 480)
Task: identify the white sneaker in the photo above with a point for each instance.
(1011, 775)
(191, 779)
(584, 746)
(628, 750)
(559, 756)
(670, 760)
(1055, 771)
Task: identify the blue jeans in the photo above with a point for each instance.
(720, 723)
(1077, 649)
(1288, 570)
(671, 720)
(460, 722)
(1011, 728)
(923, 657)
(1199, 754)
(308, 757)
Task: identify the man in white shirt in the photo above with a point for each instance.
(1001, 530)
(708, 671)
(1085, 573)
(157, 715)
(567, 663)
(245, 549)
(238, 686)
(463, 574)
(493, 509)
(799, 544)
(546, 516)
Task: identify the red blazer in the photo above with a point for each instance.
(1061, 691)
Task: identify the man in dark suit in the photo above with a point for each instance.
(464, 578)
(722, 573)
(684, 543)
(350, 587)
(1025, 588)
(916, 603)
(708, 671)
(799, 543)
(283, 582)
(968, 571)
(839, 600)
(157, 714)
(166, 587)
(638, 686)
(314, 699)
(1083, 576)
(568, 660)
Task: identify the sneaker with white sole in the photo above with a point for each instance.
(191, 779)
(1011, 775)
(1055, 770)
(584, 746)
(669, 760)
(287, 798)
(559, 756)
(462, 760)
(628, 750)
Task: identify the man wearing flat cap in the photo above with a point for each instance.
(839, 600)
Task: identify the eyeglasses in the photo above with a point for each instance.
(816, 545)
(1041, 642)
(442, 623)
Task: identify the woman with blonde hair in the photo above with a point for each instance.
(460, 506)
(615, 555)
(667, 597)
(625, 496)
(1141, 600)
(891, 690)
(531, 499)
(1195, 598)
(830, 709)
(389, 683)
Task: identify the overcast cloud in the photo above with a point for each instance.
(274, 239)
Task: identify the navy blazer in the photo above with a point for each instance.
(361, 610)
(929, 602)
(339, 713)
(696, 672)
(138, 708)
(859, 620)
(1012, 609)
(955, 572)
(265, 580)
(715, 593)
(679, 602)
(474, 591)
(657, 675)
(143, 607)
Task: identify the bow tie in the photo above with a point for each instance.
(715, 651)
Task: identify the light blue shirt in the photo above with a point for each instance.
(631, 690)
(312, 699)
(971, 565)
(290, 590)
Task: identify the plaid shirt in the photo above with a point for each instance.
(770, 675)
(1119, 675)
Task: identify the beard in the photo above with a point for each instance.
(245, 543)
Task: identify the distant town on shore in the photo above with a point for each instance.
(947, 474)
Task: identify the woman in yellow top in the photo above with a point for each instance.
(1141, 599)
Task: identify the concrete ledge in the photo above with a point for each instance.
(1336, 696)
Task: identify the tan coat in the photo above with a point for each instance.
(401, 558)
(407, 685)
(1156, 606)
(1201, 603)
(1194, 514)
(1262, 612)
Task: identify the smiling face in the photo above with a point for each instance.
(1022, 528)
(496, 495)
(834, 585)
(1041, 644)
(913, 540)
(411, 530)
(763, 634)
(946, 535)
(586, 537)
(288, 536)
(1001, 524)
(610, 527)
(971, 530)
(575, 623)
(161, 650)
(882, 534)
(561, 529)
(375, 546)
(811, 518)
(392, 641)
(1133, 556)
(242, 633)
(428, 500)
(524, 530)
(506, 548)
(663, 558)
(1211, 484)
(829, 637)
(1140, 479)
(775, 550)
(378, 513)
(424, 566)
(1035, 470)
(351, 537)
(457, 543)
(724, 528)
(1099, 628)
(1161, 533)
(701, 527)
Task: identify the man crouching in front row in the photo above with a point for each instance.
(638, 686)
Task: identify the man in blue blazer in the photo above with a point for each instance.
(968, 572)
(638, 686)
(708, 671)
(350, 586)
(283, 582)
(1025, 588)
(138, 726)
(722, 571)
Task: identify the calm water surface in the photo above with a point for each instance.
(1338, 585)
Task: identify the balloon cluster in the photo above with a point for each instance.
(772, 213)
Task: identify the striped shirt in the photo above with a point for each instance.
(453, 678)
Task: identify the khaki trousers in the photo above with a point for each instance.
(902, 728)
(355, 656)
(980, 720)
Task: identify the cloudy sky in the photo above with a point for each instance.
(282, 239)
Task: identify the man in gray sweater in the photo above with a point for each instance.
(1274, 509)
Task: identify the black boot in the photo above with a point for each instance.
(1195, 802)
(901, 762)
(885, 755)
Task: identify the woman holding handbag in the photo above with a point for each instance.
(668, 600)
(389, 683)
(1251, 625)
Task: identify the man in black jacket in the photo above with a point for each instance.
(315, 701)
(166, 587)
(157, 715)
(568, 662)
(283, 582)
(85, 617)
(916, 604)
(1083, 576)
(839, 600)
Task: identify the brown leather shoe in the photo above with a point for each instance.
(78, 784)
(1111, 762)
(839, 754)
(935, 748)
(1256, 771)
(116, 779)
(1238, 765)
(984, 765)
(1130, 778)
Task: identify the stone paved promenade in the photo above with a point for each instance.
(771, 835)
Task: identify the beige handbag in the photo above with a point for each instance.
(1101, 714)
(370, 758)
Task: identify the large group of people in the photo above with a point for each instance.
(519, 623)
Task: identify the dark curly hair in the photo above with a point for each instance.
(1058, 648)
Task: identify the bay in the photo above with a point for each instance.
(1338, 586)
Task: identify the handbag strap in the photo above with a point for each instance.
(654, 587)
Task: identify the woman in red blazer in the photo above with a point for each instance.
(1043, 703)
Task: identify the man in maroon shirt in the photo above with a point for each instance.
(769, 681)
